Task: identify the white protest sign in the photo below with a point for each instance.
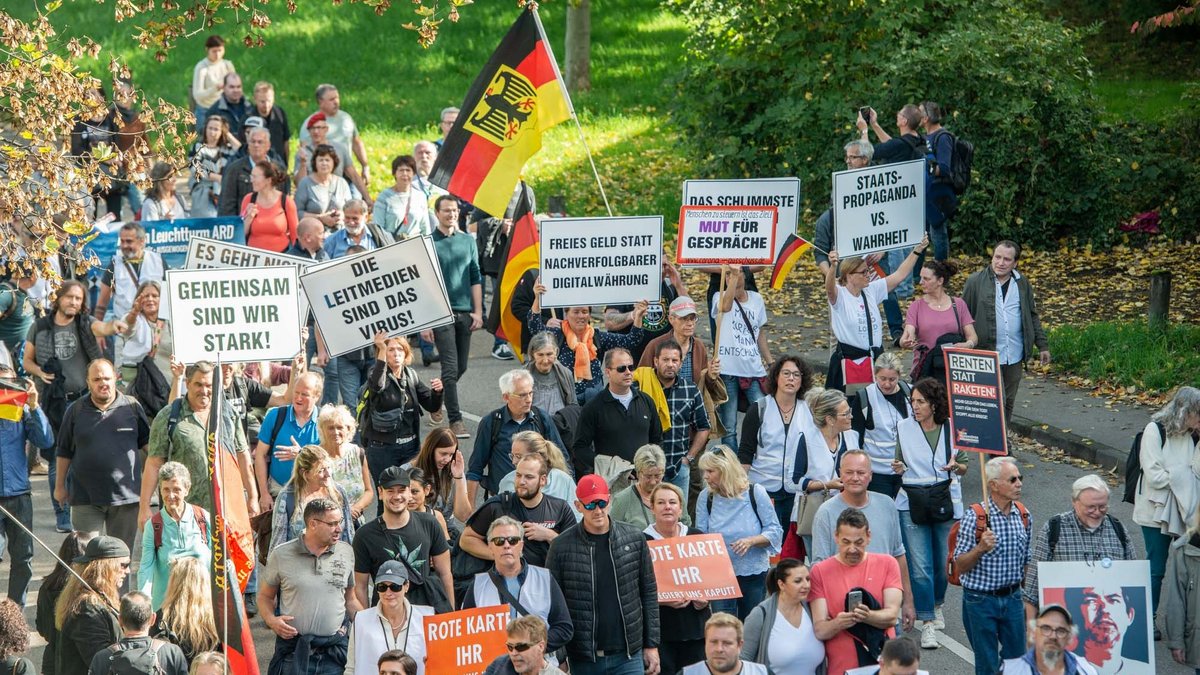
(739, 235)
(240, 314)
(204, 253)
(601, 261)
(879, 208)
(396, 289)
(782, 193)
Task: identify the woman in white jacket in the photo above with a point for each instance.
(1169, 489)
(392, 623)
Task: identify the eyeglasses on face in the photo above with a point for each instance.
(501, 541)
(519, 646)
(335, 524)
(384, 586)
(597, 504)
(623, 369)
(1053, 631)
(1015, 479)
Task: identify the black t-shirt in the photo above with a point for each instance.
(655, 322)
(244, 395)
(899, 149)
(609, 633)
(416, 543)
(552, 512)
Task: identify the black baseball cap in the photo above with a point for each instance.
(394, 476)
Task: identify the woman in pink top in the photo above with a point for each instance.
(268, 214)
(936, 313)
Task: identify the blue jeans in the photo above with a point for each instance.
(939, 239)
(894, 257)
(727, 411)
(784, 502)
(610, 664)
(19, 544)
(351, 374)
(990, 622)
(201, 116)
(754, 591)
(682, 480)
(926, 548)
(1158, 545)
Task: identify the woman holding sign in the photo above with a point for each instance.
(854, 314)
(930, 501)
(391, 415)
(682, 621)
(149, 337)
(936, 320)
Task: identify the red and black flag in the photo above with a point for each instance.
(520, 255)
(517, 97)
(232, 541)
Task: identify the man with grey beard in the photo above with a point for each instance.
(1052, 631)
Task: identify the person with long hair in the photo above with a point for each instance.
(682, 621)
(312, 478)
(51, 589)
(392, 623)
(336, 426)
(877, 410)
(418, 498)
(741, 512)
(178, 530)
(779, 631)
(743, 352)
(86, 613)
(208, 663)
(209, 155)
(268, 215)
(926, 456)
(815, 473)
(14, 640)
(186, 617)
(149, 334)
(933, 317)
(161, 202)
(445, 470)
(559, 483)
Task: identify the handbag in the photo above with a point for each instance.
(806, 510)
(932, 504)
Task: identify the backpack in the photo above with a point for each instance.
(135, 660)
(535, 415)
(1133, 464)
(156, 524)
(864, 402)
(980, 526)
(961, 159)
(753, 505)
(1055, 526)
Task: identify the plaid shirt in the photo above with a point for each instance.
(687, 413)
(1003, 566)
(1075, 542)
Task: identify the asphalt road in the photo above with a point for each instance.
(1046, 492)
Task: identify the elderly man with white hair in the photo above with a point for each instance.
(1086, 533)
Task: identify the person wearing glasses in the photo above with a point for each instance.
(1052, 631)
(536, 592)
(854, 311)
(392, 623)
(990, 558)
(603, 567)
(527, 648)
(858, 155)
(618, 420)
(310, 580)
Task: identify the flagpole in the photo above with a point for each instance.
(570, 106)
(8, 514)
(218, 473)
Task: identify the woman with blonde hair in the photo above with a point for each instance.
(312, 477)
(395, 397)
(208, 663)
(186, 616)
(877, 411)
(682, 621)
(559, 482)
(335, 427)
(742, 513)
(149, 335)
(815, 474)
(633, 505)
(86, 613)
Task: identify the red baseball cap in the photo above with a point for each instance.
(590, 488)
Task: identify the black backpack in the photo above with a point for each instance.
(123, 660)
(1133, 464)
(961, 159)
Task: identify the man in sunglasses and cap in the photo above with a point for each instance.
(603, 567)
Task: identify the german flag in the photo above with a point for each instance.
(521, 254)
(517, 97)
(792, 249)
(13, 398)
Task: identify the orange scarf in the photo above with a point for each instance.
(583, 357)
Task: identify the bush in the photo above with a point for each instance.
(774, 93)
(1129, 354)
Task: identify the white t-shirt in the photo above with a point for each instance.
(739, 353)
(848, 317)
(794, 650)
(341, 129)
(748, 668)
(625, 398)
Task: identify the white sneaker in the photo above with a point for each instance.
(929, 636)
(939, 619)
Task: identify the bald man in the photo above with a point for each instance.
(310, 240)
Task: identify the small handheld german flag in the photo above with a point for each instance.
(12, 400)
(792, 249)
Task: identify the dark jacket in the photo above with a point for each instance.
(171, 660)
(570, 563)
(980, 295)
(235, 185)
(522, 302)
(493, 448)
(389, 395)
(234, 113)
(83, 635)
(281, 133)
(615, 430)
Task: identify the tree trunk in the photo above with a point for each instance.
(578, 72)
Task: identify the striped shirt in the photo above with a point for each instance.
(1003, 566)
(1075, 542)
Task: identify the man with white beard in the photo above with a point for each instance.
(1052, 631)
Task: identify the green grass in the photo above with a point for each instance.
(1129, 354)
(1136, 97)
(395, 89)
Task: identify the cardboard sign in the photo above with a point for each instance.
(168, 238)
(695, 567)
(250, 314)
(878, 208)
(782, 193)
(465, 642)
(1110, 604)
(396, 289)
(601, 261)
(976, 401)
(739, 235)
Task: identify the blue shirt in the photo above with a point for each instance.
(337, 243)
(734, 518)
(1003, 566)
(1010, 341)
(182, 539)
(281, 469)
(14, 467)
(498, 458)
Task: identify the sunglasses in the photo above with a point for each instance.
(598, 504)
(500, 541)
(124, 565)
(623, 369)
(388, 586)
(519, 646)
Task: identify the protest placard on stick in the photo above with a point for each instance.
(396, 289)
(467, 641)
(739, 235)
(601, 261)
(243, 314)
(878, 208)
(695, 567)
(782, 193)
(976, 393)
(206, 253)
